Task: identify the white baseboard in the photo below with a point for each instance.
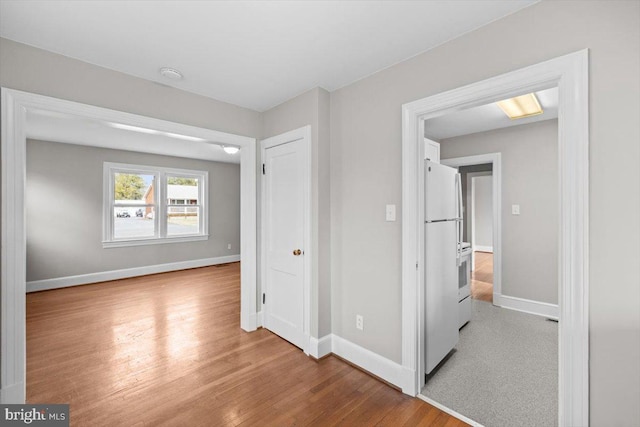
(15, 393)
(379, 366)
(254, 322)
(479, 248)
(543, 309)
(319, 348)
(449, 411)
(84, 279)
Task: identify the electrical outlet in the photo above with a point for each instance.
(515, 209)
(359, 322)
(390, 212)
(229, 246)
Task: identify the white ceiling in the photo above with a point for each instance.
(256, 54)
(488, 117)
(69, 129)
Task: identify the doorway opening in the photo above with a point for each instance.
(480, 219)
(489, 335)
(16, 106)
(569, 73)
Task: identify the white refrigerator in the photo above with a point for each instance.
(443, 223)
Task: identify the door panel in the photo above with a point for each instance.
(441, 296)
(284, 209)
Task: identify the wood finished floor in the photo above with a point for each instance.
(482, 277)
(167, 349)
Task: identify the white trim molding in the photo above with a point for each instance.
(104, 276)
(15, 105)
(301, 134)
(449, 411)
(544, 309)
(319, 348)
(496, 184)
(160, 204)
(371, 362)
(570, 74)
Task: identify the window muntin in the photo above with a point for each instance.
(146, 205)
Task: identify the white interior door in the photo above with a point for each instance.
(284, 234)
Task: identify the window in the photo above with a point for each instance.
(146, 205)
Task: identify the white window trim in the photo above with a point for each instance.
(160, 205)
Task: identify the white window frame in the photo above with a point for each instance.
(160, 204)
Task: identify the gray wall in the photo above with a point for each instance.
(530, 179)
(483, 211)
(312, 108)
(366, 174)
(38, 71)
(64, 212)
(365, 165)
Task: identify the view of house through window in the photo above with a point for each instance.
(183, 208)
(152, 203)
(133, 210)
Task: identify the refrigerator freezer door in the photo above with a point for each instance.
(441, 193)
(441, 293)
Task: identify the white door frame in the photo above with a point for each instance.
(15, 105)
(570, 74)
(496, 160)
(303, 134)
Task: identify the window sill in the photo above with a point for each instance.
(153, 241)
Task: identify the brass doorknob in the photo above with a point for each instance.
(297, 252)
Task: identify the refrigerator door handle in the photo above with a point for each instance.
(459, 223)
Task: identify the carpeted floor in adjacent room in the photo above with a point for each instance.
(504, 370)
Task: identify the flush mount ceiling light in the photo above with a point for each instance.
(171, 73)
(230, 149)
(521, 106)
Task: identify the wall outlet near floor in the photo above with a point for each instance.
(359, 322)
(515, 209)
(390, 212)
(229, 246)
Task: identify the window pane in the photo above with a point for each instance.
(133, 222)
(182, 190)
(183, 220)
(133, 188)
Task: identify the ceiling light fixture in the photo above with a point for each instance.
(171, 73)
(229, 149)
(521, 106)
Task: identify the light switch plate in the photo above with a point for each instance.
(515, 209)
(391, 212)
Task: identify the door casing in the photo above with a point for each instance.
(15, 105)
(571, 74)
(496, 184)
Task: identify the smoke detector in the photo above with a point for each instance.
(171, 73)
